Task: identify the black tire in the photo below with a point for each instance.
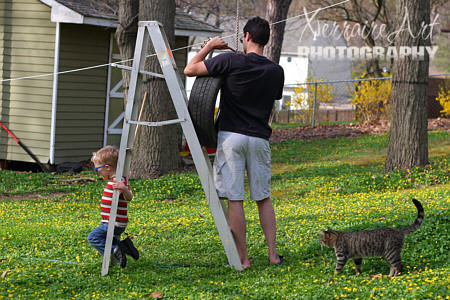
(202, 105)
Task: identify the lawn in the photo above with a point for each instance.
(338, 183)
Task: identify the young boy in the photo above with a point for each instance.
(105, 162)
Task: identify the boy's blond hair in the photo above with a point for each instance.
(106, 155)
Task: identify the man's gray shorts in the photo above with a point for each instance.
(235, 154)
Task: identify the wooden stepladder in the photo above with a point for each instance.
(153, 31)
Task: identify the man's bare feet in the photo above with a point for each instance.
(276, 260)
(247, 265)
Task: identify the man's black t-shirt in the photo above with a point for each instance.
(251, 85)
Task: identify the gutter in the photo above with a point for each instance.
(54, 94)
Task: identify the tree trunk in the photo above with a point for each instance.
(126, 37)
(156, 149)
(408, 140)
(277, 10)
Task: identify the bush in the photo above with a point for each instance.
(304, 96)
(444, 97)
(371, 99)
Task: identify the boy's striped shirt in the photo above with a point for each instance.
(122, 208)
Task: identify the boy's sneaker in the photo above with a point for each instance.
(128, 248)
(119, 253)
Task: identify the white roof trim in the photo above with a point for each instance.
(185, 32)
(100, 22)
(63, 14)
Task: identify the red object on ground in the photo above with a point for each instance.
(208, 150)
(44, 168)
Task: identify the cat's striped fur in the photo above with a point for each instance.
(385, 242)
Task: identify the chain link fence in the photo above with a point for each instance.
(345, 100)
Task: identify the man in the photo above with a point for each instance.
(252, 83)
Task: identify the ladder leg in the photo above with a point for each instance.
(202, 164)
(222, 202)
(110, 235)
(126, 141)
(217, 206)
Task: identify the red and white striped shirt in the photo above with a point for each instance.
(122, 208)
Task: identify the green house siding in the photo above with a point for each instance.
(26, 48)
(82, 94)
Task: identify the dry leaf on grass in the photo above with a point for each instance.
(157, 294)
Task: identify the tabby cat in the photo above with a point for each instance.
(385, 242)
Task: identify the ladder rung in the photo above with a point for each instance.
(162, 123)
(151, 74)
(140, 71)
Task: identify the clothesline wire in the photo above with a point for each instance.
(177, 49)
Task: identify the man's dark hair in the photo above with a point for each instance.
(259, 30)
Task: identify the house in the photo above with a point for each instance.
(298, 35)
(64, 115)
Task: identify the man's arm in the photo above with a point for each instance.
(196, 67)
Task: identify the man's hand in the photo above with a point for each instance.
(217, 43)
(196, 67)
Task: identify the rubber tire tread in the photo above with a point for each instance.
(202, 105)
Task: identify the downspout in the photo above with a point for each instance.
(55, 95)
(108, 91)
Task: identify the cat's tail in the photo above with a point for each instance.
(414, 226)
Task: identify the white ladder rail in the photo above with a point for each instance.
(126, 143)
(202, 162)
(153, 30)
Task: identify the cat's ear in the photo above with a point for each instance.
(329, 229)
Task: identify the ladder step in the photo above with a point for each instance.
(162, 123)
(140, 71)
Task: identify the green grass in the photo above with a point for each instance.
(338, 183)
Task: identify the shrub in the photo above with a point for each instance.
(371, 99)
(304, 95)
(444, 97)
